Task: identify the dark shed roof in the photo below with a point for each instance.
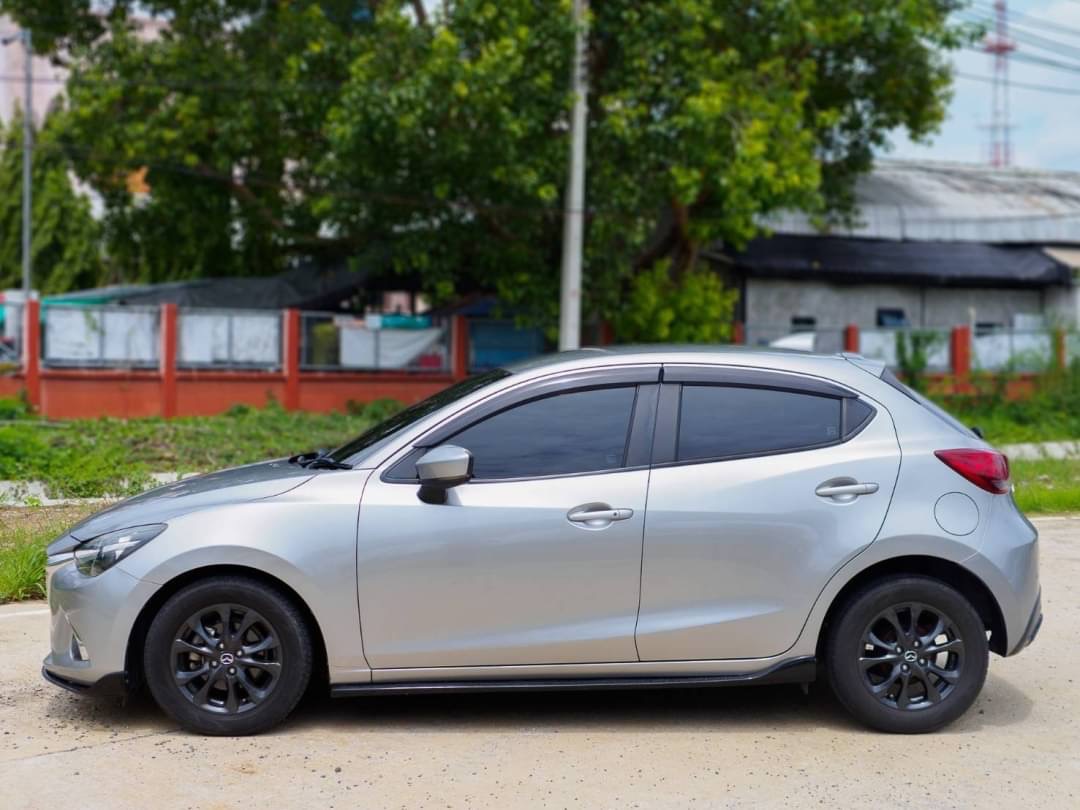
(854, 260)
(307, 287)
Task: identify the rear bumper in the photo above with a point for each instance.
(1008, 564)
(1033, 626)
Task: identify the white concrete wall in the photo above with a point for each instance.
(1063, 307)
(773, 302)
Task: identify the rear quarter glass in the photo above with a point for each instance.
(890, 378)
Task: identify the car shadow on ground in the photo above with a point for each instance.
(732, 709)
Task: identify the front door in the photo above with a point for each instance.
(511, 570)
(763, 492)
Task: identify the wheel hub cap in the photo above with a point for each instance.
(911, 656)
(226, 659)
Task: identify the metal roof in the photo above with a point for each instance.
(950, 202)
(847, 259)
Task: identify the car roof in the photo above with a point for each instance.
(687, 353)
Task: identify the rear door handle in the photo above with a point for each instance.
(844, 491)
(595, 516)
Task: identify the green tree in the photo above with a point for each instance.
(66, 241)
(277, 128)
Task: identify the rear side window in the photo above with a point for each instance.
(576, 432)
(940, 413)
(723, 421)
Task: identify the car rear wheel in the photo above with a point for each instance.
(228, 656)
(907, 655)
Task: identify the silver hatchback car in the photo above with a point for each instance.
(597, 519)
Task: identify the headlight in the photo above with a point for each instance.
(103, 552)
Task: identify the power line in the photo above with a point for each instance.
(1054, 46)
(1042, 88)
(1031, 20)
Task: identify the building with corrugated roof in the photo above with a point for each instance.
(932, 245)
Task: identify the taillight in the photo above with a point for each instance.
(986, 469)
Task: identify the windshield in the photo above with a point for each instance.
(368, 442)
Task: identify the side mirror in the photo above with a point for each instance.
(442, 468)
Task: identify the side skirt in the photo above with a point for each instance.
(797, 670)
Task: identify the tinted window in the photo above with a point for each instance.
(366, 443)
(892, 380)
(858, 414)
(582, 431)
(717, 421)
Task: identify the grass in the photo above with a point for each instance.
(24, 534)
(93, 458)
(1051, 412)
(1047, 485)
(98, 457)
(1042, 486)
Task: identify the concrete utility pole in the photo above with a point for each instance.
(28, 156)
(574, 216)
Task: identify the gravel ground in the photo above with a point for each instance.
(1019, 746)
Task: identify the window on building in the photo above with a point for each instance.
(803, 323)
(888, 317)
(988, 327)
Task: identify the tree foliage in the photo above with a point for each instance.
(271, 129)
(65, 249)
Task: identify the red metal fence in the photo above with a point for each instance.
(171, 390)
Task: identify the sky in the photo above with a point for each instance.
(1046, 133)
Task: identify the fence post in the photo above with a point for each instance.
(290, 357)
(960, 353)
(851, 338)
(1061, 360)
(738, 333)
(167, 360)
(459, 351)
(32, 352)
(606, 335)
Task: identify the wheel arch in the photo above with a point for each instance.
(133, 658)
(950, 573)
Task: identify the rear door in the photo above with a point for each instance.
(763, 484)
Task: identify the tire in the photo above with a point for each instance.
(241, 682)
(934, 689)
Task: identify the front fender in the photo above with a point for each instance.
(305, 538)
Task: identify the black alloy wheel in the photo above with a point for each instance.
(227, 659)
(913, 656)
(228, 655)
(906, 654)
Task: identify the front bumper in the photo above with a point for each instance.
(90, 623)
(114, 685)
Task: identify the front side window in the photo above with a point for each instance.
(728, 421)
(576, 432)
(366, 444)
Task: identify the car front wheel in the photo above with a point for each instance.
(907, 655)
(228, 655)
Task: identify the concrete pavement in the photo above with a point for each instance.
(1019, 746)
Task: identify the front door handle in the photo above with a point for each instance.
(597, 515)
(845, 490)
